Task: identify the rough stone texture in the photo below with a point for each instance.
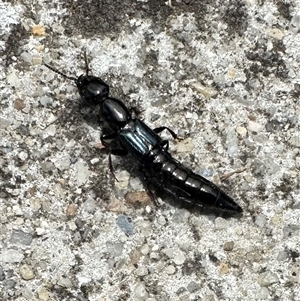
(223, 74)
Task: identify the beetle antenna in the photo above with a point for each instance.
(86, 62)
(60, 73)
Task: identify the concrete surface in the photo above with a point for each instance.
(224, 75)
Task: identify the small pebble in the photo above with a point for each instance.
(207, 92)
(295, 275)
(71, 210)
(37, 60)
(23, 155)
(47, 166)
(185, 145)
(142, 271)
(242, 131)
(116, 205)
(161, 220)
(125, 224)
(64, 282)
(10, 284)
(254, 127)
(263, 293)
(46, 100)
(140, 292)
(179, 258)
(43, 294)
(296, 20)
(11, 256)
(228, 246)
(276, 220)
(290, 230)
(260, 220)
(223, 268)
(137, 198)
(267, 278)
(115, 248)
(210, 136)
(181, 216)
(26, 57)
(13, 80)
(19, 104)
(89, 205)
(154, 256)
(2, 276)
(51, 130)
(82, 172)
(38, 30)
(135, 256)
(135, 183)
(145, 249)
(26, 272)
(275, 33)
(193, 286)
(221, 223)
(170, 270)
(169, 252)
(63, 163)
(282, 256)
(21, 237)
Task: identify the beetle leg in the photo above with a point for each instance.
(162, 128)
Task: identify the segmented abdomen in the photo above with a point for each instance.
(171, 176)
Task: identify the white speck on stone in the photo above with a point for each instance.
(23, 155)
(148, 209)
(242, 131)
(254, 126)
(95, 160)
